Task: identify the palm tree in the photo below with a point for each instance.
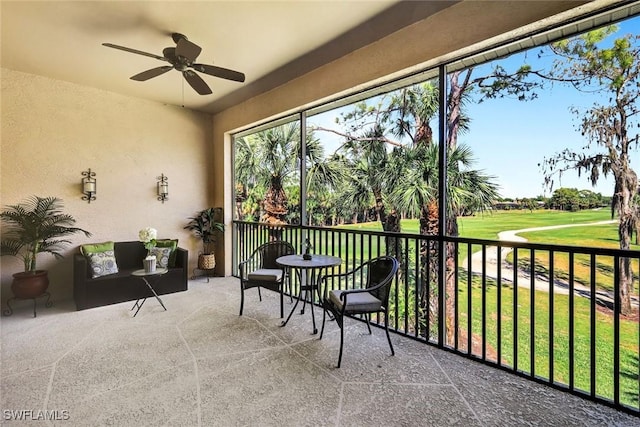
(245, 167)
(270, 159)
(35, 226)
(279, 149)
(411, 110)
(325, 175)
(418, 194)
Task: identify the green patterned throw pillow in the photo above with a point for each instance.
(93, 248)
(171, 244)
(101, 258)
(162, 256)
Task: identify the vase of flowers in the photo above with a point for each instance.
(148, 237)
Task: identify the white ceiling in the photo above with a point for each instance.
(269, 41)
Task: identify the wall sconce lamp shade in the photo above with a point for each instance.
(163, 188)
(89, 185)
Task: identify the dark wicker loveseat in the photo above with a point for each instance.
(91, 292)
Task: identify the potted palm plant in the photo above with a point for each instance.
(32, 227)
(206, 226)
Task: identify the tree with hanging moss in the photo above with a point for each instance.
(592, 63)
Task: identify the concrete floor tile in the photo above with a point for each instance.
(150, 401)
(283, 390)
(24, 391)
(211, 332)
(404, 405)
(117, 353)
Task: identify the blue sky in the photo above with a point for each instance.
(509, 138)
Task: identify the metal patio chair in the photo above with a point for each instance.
(376, 276)
(260, 270)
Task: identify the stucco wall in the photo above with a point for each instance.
(53, 130)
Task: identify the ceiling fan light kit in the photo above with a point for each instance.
(182, 57)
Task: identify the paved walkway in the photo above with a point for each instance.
(524, 278)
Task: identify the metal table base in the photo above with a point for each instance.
(142, 274)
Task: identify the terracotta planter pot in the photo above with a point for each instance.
(30, 284)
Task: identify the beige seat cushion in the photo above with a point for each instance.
(266, 275)
(360, 301)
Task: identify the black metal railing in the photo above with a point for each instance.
(550, 313)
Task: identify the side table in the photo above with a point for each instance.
(143, 275)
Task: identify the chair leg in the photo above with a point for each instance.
(259, 294)
(281, 303)
(241, 299)
(386, 328)
(324, 317)
(341, 342)
(367, 316)
(290, 290)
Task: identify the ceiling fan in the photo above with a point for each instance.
(181, 58)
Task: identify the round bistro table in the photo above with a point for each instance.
(312, 268)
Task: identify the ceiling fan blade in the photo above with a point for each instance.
(219, 72)
(187, 49)
(196, 82)
(169, 53)
(149, 74)
(139, 52)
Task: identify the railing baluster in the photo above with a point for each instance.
(551, 311)
(499, 305)
(593, 326)
(484, 302)
(405, 279)
(418, 285)
(532, 313)
(456, 272)
(572, 329)
(469, 299)
(427, 284)
(616, 328)
(516, 342)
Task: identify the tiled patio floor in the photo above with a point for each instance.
(200, 364)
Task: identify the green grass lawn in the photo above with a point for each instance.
(487, 225)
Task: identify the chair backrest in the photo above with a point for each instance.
(270, 251)
(381, 270)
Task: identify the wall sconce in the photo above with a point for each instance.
(163, 188)
(88, 185)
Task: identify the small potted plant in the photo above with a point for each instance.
(206, 226)
(32, 227)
